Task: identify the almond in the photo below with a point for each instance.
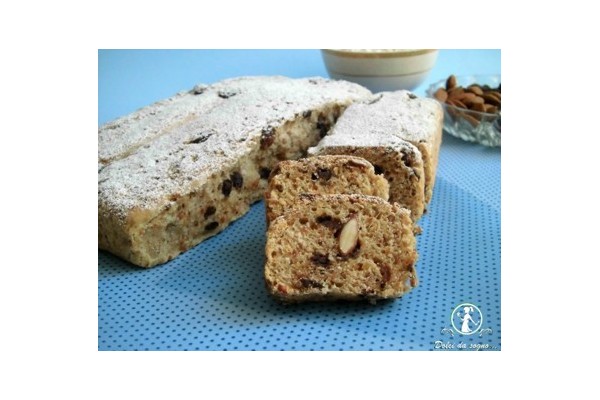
(360, 163)
(475, 89)
(441, 95)
(349, 237)
(451, 82)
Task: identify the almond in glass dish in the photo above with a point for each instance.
(472, 107)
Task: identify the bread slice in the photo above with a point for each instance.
(393, 158)
(331, 247)
(321, 175)
(401, 115)
(179, 171)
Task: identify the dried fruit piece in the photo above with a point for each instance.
(211, 227)
(321, 173)
(267, 137)
(210, 210)
(264, 172)
(237, 180)
(349, 237)
(321, 260)
(226, 187)
(310, 283)
(330, 222)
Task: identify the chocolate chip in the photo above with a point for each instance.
(307, 114)
(237, 179)
(267, 137)
(320, 259)
(210, 210)
(307, 282)
(225, 94)
(264, 172)
(330, 222)
(378, 169)
(211, 227)
(412, 96)
(226, 188)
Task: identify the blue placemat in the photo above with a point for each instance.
(213, 296)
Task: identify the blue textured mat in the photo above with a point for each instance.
(213, 297)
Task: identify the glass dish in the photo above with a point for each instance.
(472, 126)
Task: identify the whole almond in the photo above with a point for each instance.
(491, 99)
(455, 92)
(491, 109)
(479, 107)
(349, 237)
(456, 103)
(471, 119)
(451, 82)
(475, 89)
(441, 95)
(473, 100)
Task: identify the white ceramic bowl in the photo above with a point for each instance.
(381, 70)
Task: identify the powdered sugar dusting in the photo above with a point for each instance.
(400, 114)
(172, 146)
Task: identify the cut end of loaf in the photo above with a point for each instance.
(341, 247)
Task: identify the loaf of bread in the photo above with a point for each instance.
(179, 171)
(336, 174)
(401, 135)
(331, 247)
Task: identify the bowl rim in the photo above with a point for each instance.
(436, 85)
(381, 54)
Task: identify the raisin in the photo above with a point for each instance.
(211, 227)
(210, 210)
(320, 259)
(226, 188)
(267, 137)
(225, 94)
(378, 170)
(321, 173)
(199, 89)
(307, 282)
(386, 274)
(202, 137)
(264, 172)
(406, 160)
(323, 126)
(237, 179)
(330, 222)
